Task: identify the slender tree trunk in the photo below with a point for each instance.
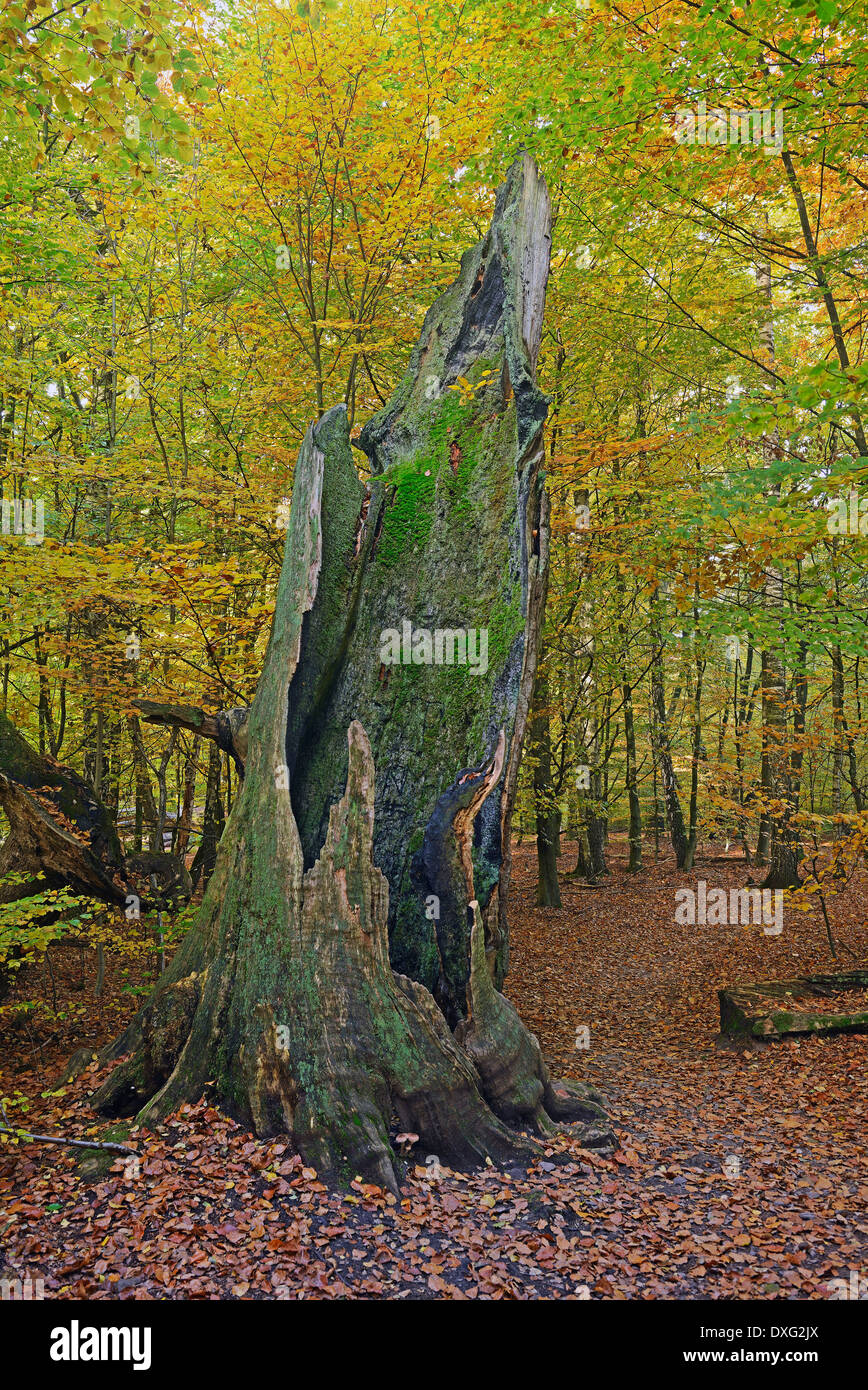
(837, 736)
(143, 785)
(191, 767)
(214, 821)
(744, 700)
(800, 708)
(696, 748)
(783, 852)
(823, 286)
(548, 816)
(782, 848)
(663, 750)
(634, 833)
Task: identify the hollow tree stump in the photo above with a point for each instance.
(282, 1003)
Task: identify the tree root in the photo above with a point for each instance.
(330, 1052)
(515, 1079)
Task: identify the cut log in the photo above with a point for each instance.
(775, 1009)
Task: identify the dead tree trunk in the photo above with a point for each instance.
(58, 826)
(281, 1001)
(228, 728)
(62, 832)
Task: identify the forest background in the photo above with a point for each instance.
(218, 221)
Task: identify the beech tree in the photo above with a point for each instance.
(379, 792)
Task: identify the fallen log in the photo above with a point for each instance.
(61, 833)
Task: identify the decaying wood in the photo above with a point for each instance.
(282, 1004)
(227, 728)
(61, 833)
(453, 535)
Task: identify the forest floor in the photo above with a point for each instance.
(212, 1213)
